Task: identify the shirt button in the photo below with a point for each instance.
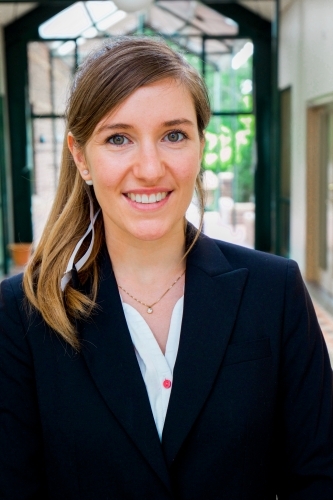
(167, 383)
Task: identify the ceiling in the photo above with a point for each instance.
(10, 11)
(265, 8)
(185, 21)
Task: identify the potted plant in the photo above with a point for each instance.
(20, 253)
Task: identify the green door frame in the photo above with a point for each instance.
(24, 29)
(260, 32)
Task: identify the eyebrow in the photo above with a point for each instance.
(126, 126)
(179, 121)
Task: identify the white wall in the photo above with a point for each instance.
(306, 64)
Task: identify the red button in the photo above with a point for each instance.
(167, 383)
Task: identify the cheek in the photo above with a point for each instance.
(104, 172)
(107, 178)
(189, 169)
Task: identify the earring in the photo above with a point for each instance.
(86, 172)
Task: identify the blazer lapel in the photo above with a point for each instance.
(212, 296)
(109, 353)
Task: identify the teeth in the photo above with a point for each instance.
(144, 198)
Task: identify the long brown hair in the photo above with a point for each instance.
(103, 82)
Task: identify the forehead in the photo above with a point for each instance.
(166, 100)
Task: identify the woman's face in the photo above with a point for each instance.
(143, 159)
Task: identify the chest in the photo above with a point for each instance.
(159, 319)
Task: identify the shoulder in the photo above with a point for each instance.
(247, 257)
(14, 349)
(266, 277)
(12, 296)
(17, 317)
(268, 269)
(238, 257)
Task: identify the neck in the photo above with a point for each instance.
(142, 261)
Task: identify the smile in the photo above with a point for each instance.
(144, 198)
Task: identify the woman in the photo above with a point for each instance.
(116, 384)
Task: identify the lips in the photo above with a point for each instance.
(145, 198)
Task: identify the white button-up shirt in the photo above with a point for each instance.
(156, 368)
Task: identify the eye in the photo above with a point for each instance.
(118, 140)
(175, 136)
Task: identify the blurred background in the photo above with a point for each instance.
(268, 161)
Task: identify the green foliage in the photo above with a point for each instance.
(230, 140)
(229, 89)
(229, 148)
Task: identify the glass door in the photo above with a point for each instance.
(230, 153)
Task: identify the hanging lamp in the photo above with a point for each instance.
(133, 5)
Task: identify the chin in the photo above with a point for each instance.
(150, 236)
(153, 232)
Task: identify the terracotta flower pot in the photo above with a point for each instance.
(20, 253)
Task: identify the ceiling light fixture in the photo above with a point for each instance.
(133, 5)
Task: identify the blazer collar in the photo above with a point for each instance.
(213, 292)
(109, 354)
(212, 295)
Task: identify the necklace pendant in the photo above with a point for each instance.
(149, 310)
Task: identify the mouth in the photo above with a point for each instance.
(148, 198)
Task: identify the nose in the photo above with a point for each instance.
(149, 165)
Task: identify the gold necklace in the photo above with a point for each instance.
(150, 307)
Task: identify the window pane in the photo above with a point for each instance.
(49, 75)
(229, 163)
(228, 74)
(48, 139)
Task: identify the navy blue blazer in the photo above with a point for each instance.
(250, 413)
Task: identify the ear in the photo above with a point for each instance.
(78, 157)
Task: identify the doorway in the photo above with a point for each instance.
(250, 186)
(320, 197)
(325, 261)
(229, 159)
